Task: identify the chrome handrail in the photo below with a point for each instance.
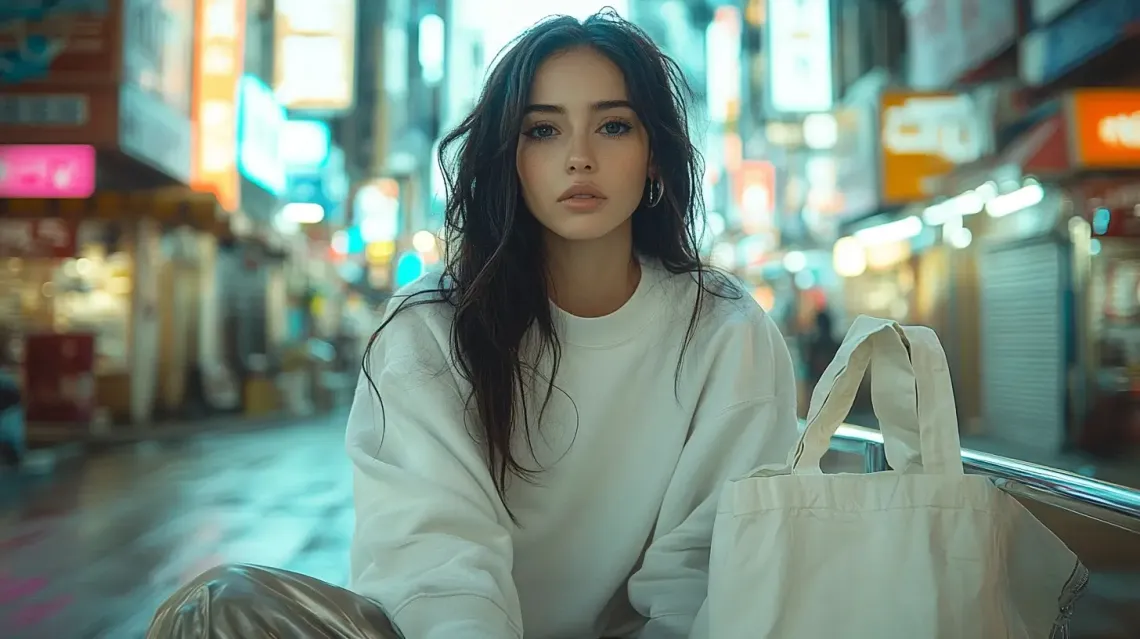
(1099, 500)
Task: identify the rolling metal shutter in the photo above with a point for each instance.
(1023, 343)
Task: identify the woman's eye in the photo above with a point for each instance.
(541, 131)
(616, 128)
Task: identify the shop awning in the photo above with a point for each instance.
(172, 207)
(1041, 151)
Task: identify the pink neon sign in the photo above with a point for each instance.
(53, 171)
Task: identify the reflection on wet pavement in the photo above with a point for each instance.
(92, 550)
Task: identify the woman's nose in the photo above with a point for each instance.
(579, 165)
(581, 159)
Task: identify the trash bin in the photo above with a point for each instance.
(295, 382)
(59, 385)
(261, 397)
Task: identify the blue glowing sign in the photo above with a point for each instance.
(260, 123)
(409, 268)
(306, 143)
(356, 243)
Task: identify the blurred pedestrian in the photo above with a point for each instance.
(821, 347)
(13, 436)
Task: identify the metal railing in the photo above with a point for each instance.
(1099, 500)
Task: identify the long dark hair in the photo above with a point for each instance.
(494, 277)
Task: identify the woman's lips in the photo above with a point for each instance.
(583, 202)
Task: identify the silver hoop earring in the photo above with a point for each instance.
(656, 192)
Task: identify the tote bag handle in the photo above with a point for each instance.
(937, 411)
(915, 410)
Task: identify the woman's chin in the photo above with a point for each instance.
(585, 228)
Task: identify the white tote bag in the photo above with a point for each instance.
(921, 552)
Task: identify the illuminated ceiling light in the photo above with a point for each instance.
(897, 231)
(303, 213)
(1023, 198)
(795, 262)
(424, 241)
(849, 257)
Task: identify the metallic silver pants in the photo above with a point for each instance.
(240, 601)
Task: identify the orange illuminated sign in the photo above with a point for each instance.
(755, 194)
(923, 136)
(218, 61)
(1105, 128)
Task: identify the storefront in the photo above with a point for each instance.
(1091, 147)
(1003, 236)
(252, 308)
(1027, 324)
(114, 104)
(251, 269)
(877, 263)
(1049, 239)
(197, 380)
(921, 136)
(98, 266)
(925, 136)
(1112, 339)
(1107, 254)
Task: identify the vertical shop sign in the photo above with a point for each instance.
(755, 194)
(158, 49)
(218, 62)
(305, 144)
(315, 54)
(154, 100)
(800, 73)
(722, 50)
(57, 68)
(260, 122)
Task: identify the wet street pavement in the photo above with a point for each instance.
(91, 550)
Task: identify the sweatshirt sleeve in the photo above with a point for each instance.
(745, 419)
(432, 543)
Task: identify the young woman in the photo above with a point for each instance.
(541, 432)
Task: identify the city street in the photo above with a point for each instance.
(91, 550)
(208, 208)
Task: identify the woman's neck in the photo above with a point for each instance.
(592, 278)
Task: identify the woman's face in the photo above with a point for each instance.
(583, 156)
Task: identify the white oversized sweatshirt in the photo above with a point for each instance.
(615, 530)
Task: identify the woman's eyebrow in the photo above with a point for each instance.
(603, 105)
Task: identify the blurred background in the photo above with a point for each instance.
(205, 203)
